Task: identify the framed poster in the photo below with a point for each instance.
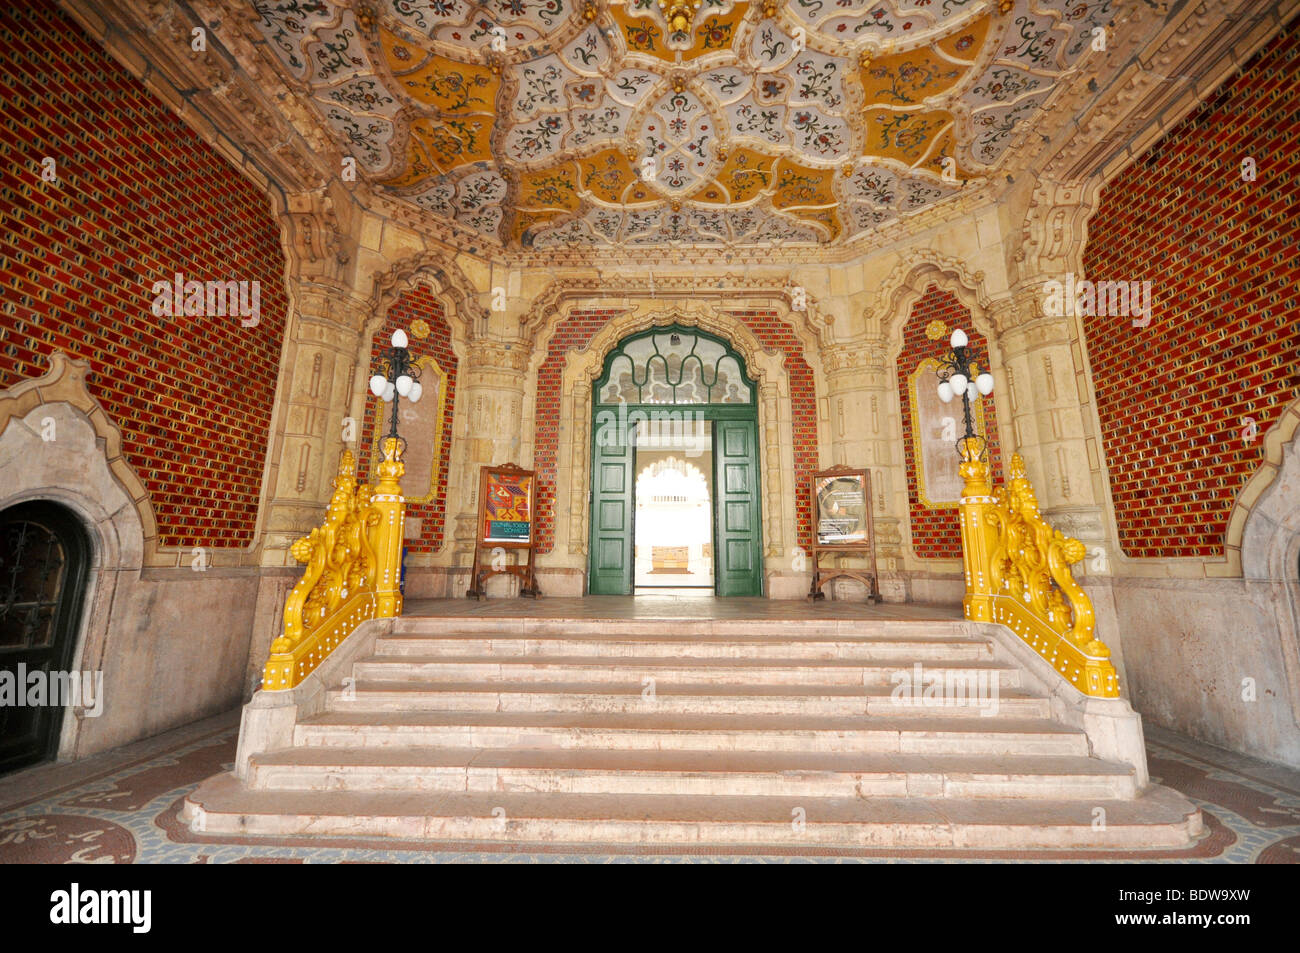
(841, 506)
(505, 521)
(841, 509)
(506, 506)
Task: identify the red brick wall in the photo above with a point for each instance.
(573, 332)
(775, 335)
(139, 197)
(936, 534)
(579, 328)
(417, 303)
(1222, 345)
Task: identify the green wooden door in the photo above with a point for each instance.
(612, 512)
(738, 563)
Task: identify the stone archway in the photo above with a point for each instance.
(57, 445)
(680, 386)
(565, 562)
(1264, 534)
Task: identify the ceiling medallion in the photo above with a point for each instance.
(679, 14)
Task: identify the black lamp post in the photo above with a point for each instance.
(400, 378)
(954, 373)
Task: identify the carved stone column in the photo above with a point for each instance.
(862, 390)
(318, 371)
(315, 394)
(491, 388)
(1048, 386)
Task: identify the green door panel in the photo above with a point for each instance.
(736, 523)
(611, 519)
(694, 372)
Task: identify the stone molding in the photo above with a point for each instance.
(566, 295)
(439, 270)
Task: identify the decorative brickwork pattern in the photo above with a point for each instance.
(1177, 398)
(775, 335)
(936, 533)
(574, 332)
(138, 198)
(418, 303)
(577, 330)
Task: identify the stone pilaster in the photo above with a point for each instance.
(491, 391)
(1050, 396)
(865, 432)
(316, 391)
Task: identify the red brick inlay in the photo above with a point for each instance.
(418, 302)
(775, 334)
(574, 332)
(1221, 253)
(936, 534)
(577, 330)
(138, 198)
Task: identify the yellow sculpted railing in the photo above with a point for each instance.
(353, 566)
(1018, 574)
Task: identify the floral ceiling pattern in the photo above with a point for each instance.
(542, 123)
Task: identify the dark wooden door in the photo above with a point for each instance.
(44, 565)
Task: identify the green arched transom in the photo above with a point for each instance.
(674, 365)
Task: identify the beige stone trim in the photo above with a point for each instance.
(1277, 438)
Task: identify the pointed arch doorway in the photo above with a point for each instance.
(675, 399)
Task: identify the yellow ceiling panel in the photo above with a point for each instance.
(904, 136)
(965, 44)
(606, 175)
(797, 185)
(746, 174)
(552, 188)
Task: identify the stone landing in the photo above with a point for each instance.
(727, 732)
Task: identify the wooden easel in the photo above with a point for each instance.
(484, 536)
(866, 547)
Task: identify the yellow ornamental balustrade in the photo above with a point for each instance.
(1018, 574)
(353, 570)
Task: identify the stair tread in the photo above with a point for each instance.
(720, 762)
(223, 794)
(750, 638)
(665, 721)
(628, 661)
(367, 685)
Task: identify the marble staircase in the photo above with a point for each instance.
(743, 734)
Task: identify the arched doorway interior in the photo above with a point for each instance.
(44, 564)
(675, 392)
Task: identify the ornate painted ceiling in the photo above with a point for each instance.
(543, 123)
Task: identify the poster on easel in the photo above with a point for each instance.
(842, 506)
(505, 522)
(840, 500)
(507, 506)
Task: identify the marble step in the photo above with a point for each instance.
(681, 670)
(678, 627)
(782, 646)
(670, 698)
(1160, 818)
(726, 773)
(695, 732)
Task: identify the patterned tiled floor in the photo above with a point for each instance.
(122, 807)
